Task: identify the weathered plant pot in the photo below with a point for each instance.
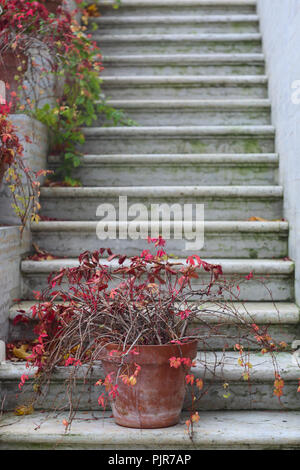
(156, 400)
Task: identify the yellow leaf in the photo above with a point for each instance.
(195, 417)
(24, 410)
(21, 353)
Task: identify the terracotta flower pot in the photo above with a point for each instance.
(156, 400)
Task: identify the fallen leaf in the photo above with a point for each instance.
(24, 410)
(21, 353)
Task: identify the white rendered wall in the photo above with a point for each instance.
(280, 27)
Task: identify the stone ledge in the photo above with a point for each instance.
(259, 159)
(216, 430)
(230, 266)
(197, 104)
(215, 366)
(164, 191)
(181, 3)
(182, 19)
(175, 38)
(245, 80)
(209, 226)
(185, 59)
(263, 313)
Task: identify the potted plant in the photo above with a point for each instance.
(52, 45)
(135, 315)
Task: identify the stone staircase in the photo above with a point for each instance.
(191, 73)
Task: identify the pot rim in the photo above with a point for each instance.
(188, 341)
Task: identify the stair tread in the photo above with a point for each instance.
(181, 3)
(209, 226)
(217, 365)
(162, 19)
(95, 430)
(236, 266)
(181, 130)
(184, 79)
(161, 191)
(263, 312)
(216, 37)
(197, 103)
(185, 158)
(186, 58)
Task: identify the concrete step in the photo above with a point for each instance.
(179, 139)
(169, 170)
(171, 24)
(196, 112)
(185, 87)
(175, 8)
(215, 368)
(271, 276)
(220, 202)
(222, 239)
(178, 43)
(221, 430)
(215, 321)
(180, 64)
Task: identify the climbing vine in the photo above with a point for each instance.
(62, 85)
(22, 181)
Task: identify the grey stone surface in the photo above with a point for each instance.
(173, 8)
(35, 156)
(275, 276)
(216, 430)
(178, 24)
(196, 112)
(12, 248)
(176, 169)
(180, 64)
(226, 239)
(185, 87)
(220, 202)
(174, 43)
(215, 368)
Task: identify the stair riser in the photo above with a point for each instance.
(172, 175)
(217, 245)
(258, 396)
(184, 10)
(119, 144)
(183, 91)
(178, 47)
(286, 333)
(233, 27)
(281, 286)
(119, 70)
(215, 208)
(199, 117)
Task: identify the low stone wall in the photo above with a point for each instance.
(12, 248)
